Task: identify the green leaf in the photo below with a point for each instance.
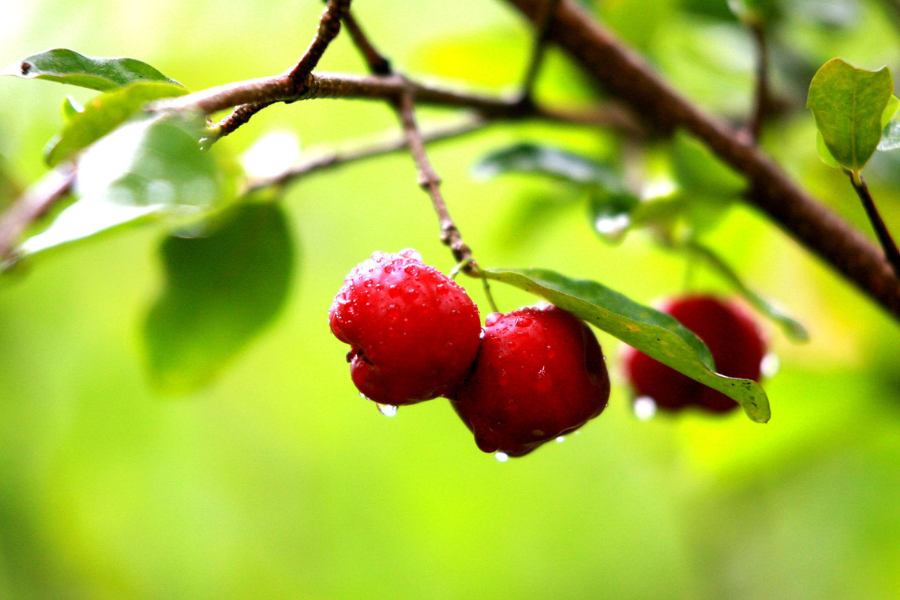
(70, 108)
(68, 66)
(890, 110)
(545, 160)
(146, 169)
(611, 214)
(102, 115)
(656, 334)
(848, 104)
(220, 292)
(824, 153)
(791, 327)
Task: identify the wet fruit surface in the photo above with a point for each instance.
(413, 332)
(540, 374)
(736, 343)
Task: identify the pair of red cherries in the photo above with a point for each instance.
(528, 376)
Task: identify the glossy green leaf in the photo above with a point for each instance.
(220, 292)
(792, 328)
(146, 169)
(545, 160)
(103, 114)
(848, 104)
(70, 67)
(656, 334)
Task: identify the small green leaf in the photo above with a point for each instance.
(146, 169)
(792, 328)
(890, 137)
(656, 334)
(70, 108)
(611, 214)
(67, 66)
(220, 292)
(103, 114)
(544, 160)
(848, 104)
(824, 153)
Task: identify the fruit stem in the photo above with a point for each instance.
(884, 236)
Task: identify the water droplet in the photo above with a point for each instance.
(560, 439)
(412, 293)
(388, 410)
(361, 395)
(442, 289)
(388, 269)
(644, 408)
(770, 365)
(523, 322)
(492, 318)
(612, 224)
(410, 253)
(393, 290)
(501, 456)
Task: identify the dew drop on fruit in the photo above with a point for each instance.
(523, 322)
(644, 408)
(770, 365)
(560, 439)
(388, 410)
(492, 319)
(501, 456)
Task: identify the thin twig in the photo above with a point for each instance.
(430, 182)
(329, 27)
(378, 64)
(542, 26)
(761, 96)
(884, 236)
(33, 204)
(328, 160)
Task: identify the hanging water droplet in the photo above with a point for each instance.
(501, 456)
(644, 408)
(612, 224)
(770, 365)
(560, 439)
(388, 410)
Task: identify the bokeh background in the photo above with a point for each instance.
(279, 481)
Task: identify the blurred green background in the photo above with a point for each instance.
(278, 481)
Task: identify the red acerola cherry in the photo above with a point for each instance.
(540, 374)
(736, 343)
(413, 332)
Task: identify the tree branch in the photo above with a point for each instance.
(626, 77)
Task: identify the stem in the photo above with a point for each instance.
(430, 182)
(884, 236)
